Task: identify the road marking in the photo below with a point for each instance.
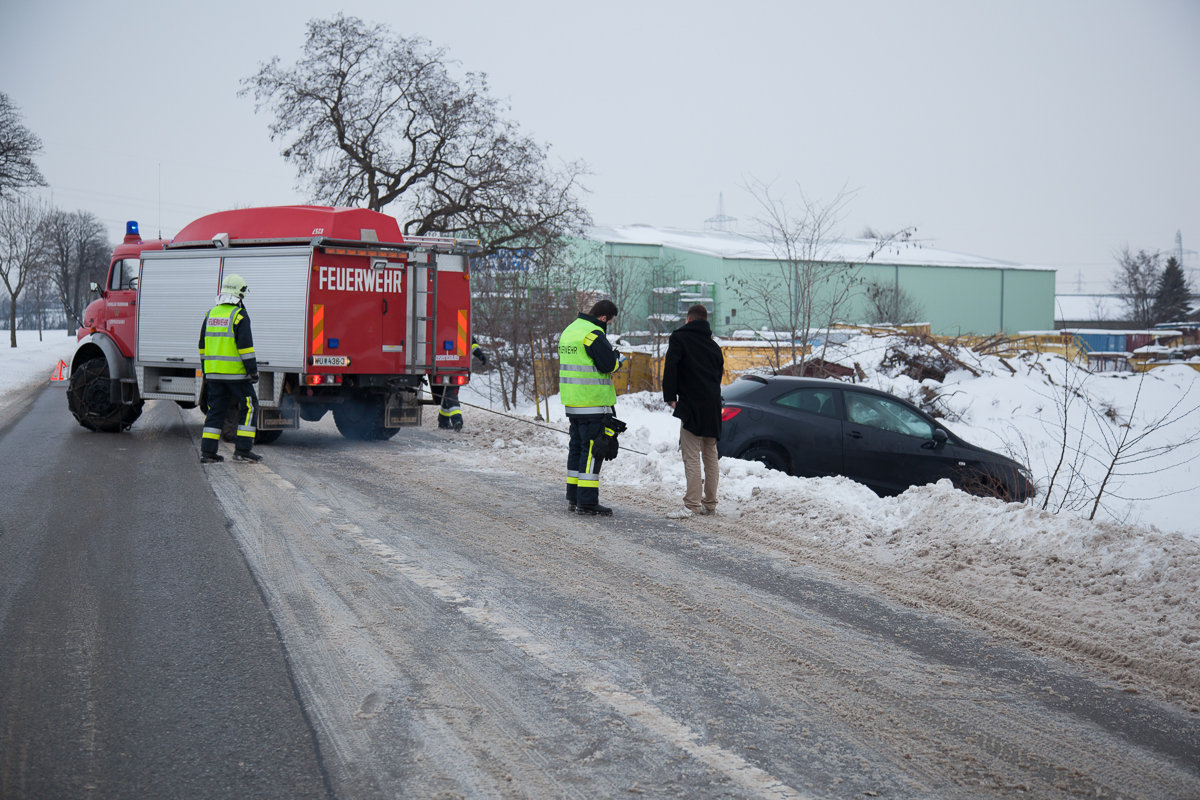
(648, 715)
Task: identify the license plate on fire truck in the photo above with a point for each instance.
(331, 361)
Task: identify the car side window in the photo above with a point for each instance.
(885, 414)
(815, 401)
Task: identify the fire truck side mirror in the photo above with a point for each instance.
(95, 288)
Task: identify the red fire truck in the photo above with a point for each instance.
(348, 316)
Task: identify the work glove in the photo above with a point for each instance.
(254, 378)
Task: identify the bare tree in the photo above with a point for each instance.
(521, 302)
(22, 251)
(664, 313)
(370, 117)
(891, 304)
(1065, 485)
(787, 297)
(1098, 446)
(39, 290)
(623, 279)
(18, 146)
(809, 288)
(76, 254)
(1137, 283)
(1124, 448)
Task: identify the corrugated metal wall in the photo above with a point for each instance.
(955, 300)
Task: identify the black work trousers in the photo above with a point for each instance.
(583, 467)
(224, 396)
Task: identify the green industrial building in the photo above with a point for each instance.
(673, 269)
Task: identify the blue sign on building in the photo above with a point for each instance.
(509, 259)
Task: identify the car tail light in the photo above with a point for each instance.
(729, 412)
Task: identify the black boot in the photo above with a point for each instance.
(594, 510)
(249, 456)
(211, 458)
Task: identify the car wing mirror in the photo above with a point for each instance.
(940, 437)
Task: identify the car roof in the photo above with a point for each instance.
(793, 382)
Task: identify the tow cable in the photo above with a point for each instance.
(535, 424)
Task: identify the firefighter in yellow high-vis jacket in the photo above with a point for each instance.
(586, 363)
(230, 372)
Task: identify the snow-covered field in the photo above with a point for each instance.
(1119, 590)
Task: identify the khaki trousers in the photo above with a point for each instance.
(697, 449)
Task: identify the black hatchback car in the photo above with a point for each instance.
(815, 427)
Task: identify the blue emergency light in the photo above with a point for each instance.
(131, 227)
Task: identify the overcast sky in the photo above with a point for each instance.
(1045, 132)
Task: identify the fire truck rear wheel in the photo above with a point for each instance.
(361, 418)
(89, 400)
(312, 412)
(266, 437)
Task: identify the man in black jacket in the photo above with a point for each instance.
(691, 384)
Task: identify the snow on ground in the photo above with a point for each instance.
(32, 361)
(1119, 590)
(1117, 593)
(32, 358)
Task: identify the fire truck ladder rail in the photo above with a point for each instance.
(424, 323)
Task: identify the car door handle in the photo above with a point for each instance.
(854, 435)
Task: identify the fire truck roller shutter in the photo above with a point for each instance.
(175, 293)
(277, 302)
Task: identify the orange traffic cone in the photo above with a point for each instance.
(59, 370)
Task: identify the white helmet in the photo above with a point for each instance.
(234, 285)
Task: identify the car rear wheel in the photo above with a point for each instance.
(768, 456)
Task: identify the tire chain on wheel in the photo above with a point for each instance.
(88, 398)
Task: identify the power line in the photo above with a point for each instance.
(536, 424)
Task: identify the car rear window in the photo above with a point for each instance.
(814, 401)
